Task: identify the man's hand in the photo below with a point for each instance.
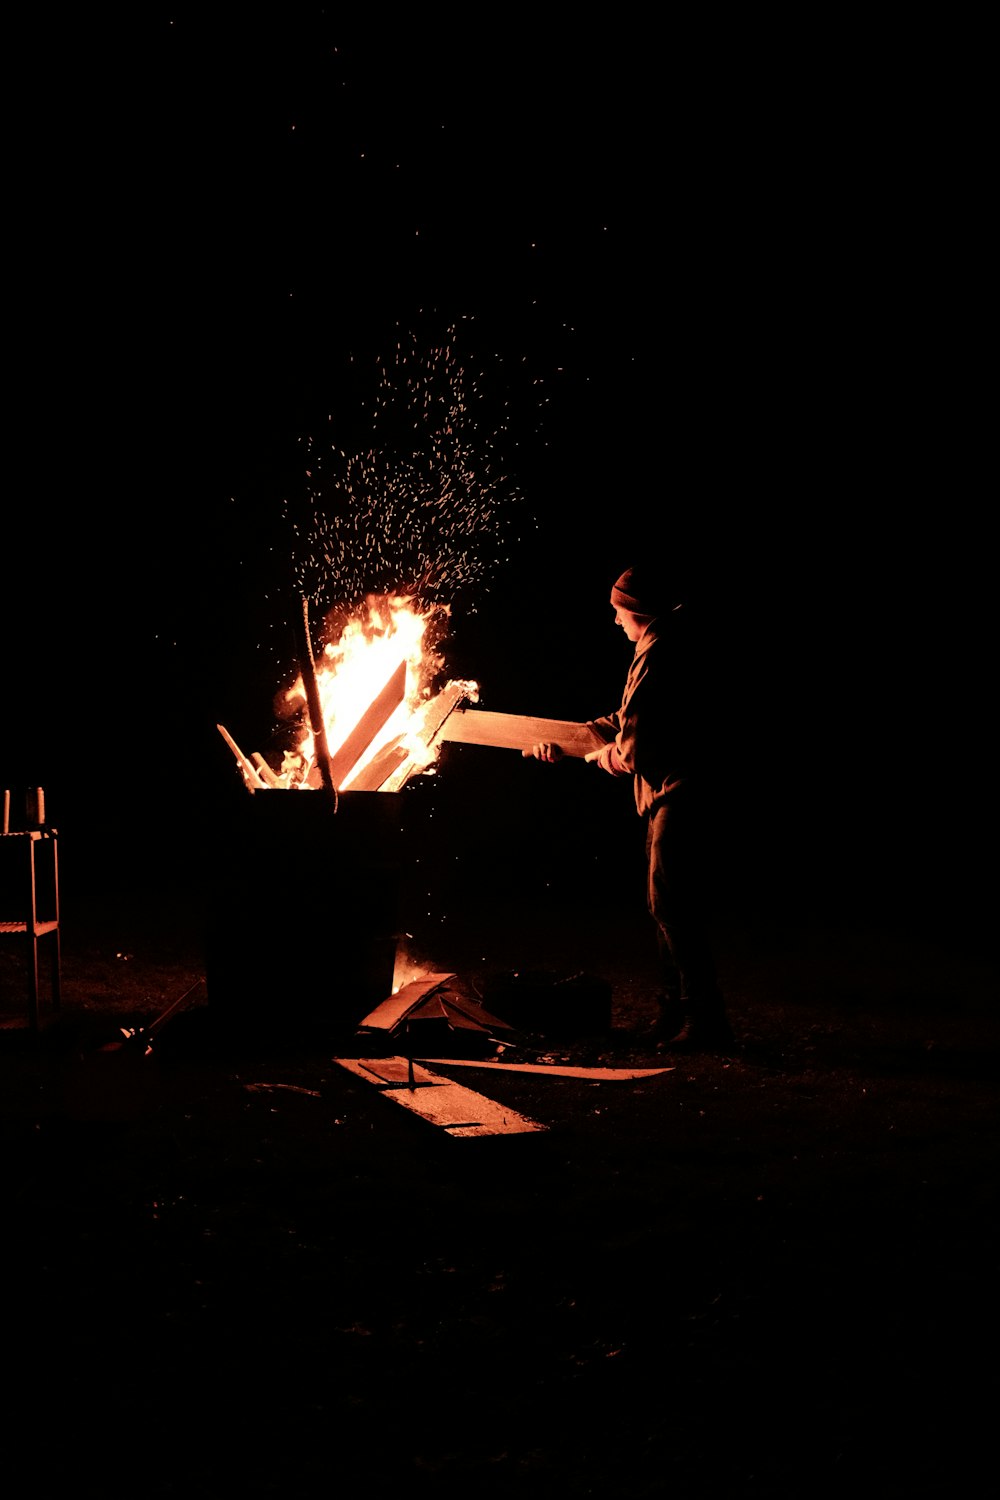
(545, 751)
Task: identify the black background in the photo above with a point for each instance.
(722, 284)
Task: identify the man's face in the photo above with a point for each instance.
(633, 625)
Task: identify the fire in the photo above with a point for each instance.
(377, 694)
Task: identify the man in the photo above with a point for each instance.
(660, 736)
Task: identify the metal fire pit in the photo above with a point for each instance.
(304, 916)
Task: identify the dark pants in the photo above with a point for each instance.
(677, 896)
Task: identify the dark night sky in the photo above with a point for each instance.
(718, 281)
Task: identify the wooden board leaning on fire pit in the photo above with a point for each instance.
(477, 726)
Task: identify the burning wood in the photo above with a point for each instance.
(442, 720)
(426, 731)
(373, 776)
(374, 719)
(397, 730)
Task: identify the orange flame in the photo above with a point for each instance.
(351, 673)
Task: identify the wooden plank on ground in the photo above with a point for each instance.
(476, 726)
(458, 1111)
(388, 1072)
(556, 1070)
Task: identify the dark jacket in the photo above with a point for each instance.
(658, 734)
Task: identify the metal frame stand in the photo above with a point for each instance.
(29, 904)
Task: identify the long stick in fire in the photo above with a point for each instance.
(308, 665)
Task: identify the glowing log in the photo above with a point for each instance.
(428, 731)
(375, 717)
(373, 776)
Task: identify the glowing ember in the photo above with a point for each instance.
(354, 675)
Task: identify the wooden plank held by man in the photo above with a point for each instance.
(476, 726)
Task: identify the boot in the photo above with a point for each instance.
(700, 1031)
(670, 1016)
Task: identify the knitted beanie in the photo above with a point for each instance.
(637, 592)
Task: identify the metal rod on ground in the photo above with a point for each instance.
(172, 1009)
(315, 708)
(148, 1032)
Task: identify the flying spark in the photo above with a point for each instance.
(427, 508)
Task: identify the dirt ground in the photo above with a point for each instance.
(235, 1269)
